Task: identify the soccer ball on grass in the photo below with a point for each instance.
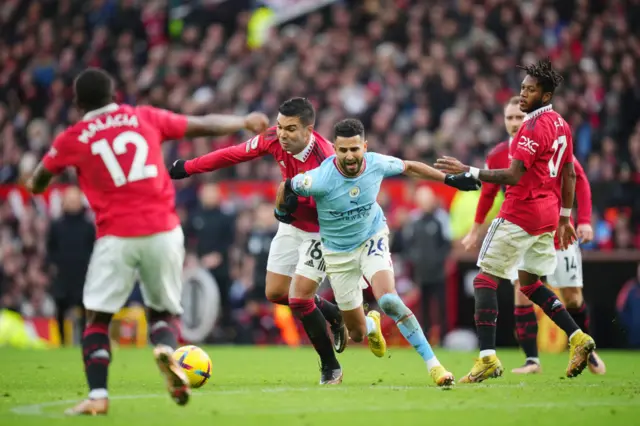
(196, 364)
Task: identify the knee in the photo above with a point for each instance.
(572, 297)
(302, 288)
(93, 317)
(275, 295)
(520, 298)
(277, 288)
(356, 335)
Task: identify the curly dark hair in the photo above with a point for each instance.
(348, 128)
(546, 76)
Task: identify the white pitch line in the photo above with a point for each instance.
(37, 409)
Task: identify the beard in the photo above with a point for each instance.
(352, 168)
(534, 106)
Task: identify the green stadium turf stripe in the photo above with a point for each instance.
(38, 409)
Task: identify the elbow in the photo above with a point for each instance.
(513, 179)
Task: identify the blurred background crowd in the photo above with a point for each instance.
(426, 77)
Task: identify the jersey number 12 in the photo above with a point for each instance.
(559, 146)
(139, 169)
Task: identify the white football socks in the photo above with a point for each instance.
(371, 326)
(487, 352)
(98, 394)
(433, 362)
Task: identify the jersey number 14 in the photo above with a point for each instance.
(559, 146)
(139, 168)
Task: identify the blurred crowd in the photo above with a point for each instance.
(426, 78)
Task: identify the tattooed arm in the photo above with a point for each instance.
(510, 176)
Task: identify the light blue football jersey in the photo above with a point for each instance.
(348, 212)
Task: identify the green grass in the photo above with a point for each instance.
(278, 386)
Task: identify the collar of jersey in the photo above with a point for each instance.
(364, 166)
(104, 110)
(538, 112)
(304, 154)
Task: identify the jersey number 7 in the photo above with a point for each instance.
(559, 146)
(139, 169)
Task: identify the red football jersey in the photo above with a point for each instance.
(498, 158)
(544, 144)
(290, 165)
(118, 158)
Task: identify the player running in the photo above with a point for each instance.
(295, 266)
(568, 273)
(116, 151)
(522, 236)
(355, 236)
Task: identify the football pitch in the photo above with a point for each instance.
(278, 386)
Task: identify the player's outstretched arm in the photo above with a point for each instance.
(220, 158)
(222, 124)
(418, 170)
(510, 176)
(39, 180)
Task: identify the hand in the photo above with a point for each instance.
(566, 233)
(471, 239)
(284, 218)
(286, 199)
(29, 184)
(585, 233)
(462, 181)
(450, 165)
(177, 170)
(256, 122)
(211, 260)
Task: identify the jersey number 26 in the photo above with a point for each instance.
(139, 169)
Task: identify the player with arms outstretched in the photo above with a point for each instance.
(522, 235)
(355, 236)
(568, 274)
(116, 151)
(295, 266)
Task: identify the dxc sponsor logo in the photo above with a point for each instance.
(528, 144)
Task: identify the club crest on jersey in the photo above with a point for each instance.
(354, 192)
(528, 144)
(305, 184)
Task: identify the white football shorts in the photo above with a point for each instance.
(346, 269)
(508, 248)
(294, 251)
(568, 272)
(116, 262)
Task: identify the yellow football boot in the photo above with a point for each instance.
(487, 367)
(581, 345)
(377, 344)
(442, 377)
